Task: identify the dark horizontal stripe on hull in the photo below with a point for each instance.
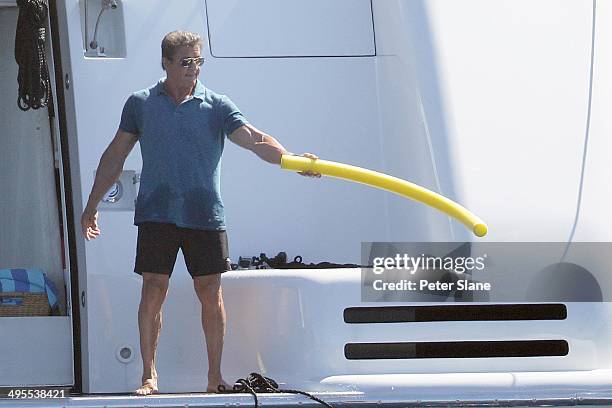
(453, 313)
(456, 349)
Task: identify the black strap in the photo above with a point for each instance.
(280, 262)
(257, 383)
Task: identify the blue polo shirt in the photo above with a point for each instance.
(181, 148)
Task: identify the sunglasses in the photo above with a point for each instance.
(186, 62)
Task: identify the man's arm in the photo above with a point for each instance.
(109, 169)
(263, 145)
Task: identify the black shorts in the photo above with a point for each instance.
(205, 252)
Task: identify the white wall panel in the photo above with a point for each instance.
(594, 223)
(504, 86)
(36, 351)
(267, 28)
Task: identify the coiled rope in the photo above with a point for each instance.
(33, 77)
(256, 383)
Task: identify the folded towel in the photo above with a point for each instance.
(31, 280)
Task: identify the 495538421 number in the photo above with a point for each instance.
(28, 393)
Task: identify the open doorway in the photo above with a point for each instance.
(37, 347)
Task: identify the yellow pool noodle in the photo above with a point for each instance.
(389, 183)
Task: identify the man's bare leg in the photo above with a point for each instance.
(208, 289)
(154, 290)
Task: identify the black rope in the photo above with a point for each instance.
(280, 262)
(33, 77)
(257, 383)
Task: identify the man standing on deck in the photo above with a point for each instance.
(181, 127)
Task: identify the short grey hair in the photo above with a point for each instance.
(176, 39)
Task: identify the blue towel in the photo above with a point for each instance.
(31, 280)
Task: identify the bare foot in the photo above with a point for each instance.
(213, 386)
(148, 387)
